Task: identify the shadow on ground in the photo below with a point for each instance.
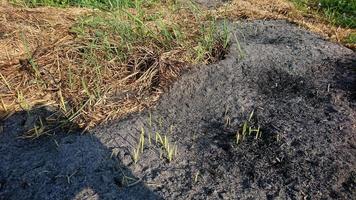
(61, 166)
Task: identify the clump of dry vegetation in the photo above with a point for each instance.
(102, 65)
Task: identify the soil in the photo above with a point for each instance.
(300, 87)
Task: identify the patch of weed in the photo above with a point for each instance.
(168, 150)
(247, 129)
(351, 38)
(338, 12)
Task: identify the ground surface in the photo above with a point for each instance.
(42, 60)
(302, 91)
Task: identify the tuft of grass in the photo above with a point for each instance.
(338, 12)
(21, 100)
(168, 150)
(30, 61)
(247, 130)
(171, 150)
(140, 147)
(164, 143)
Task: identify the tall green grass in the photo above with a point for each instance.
(339, 12)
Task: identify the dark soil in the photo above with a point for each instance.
(302, 91)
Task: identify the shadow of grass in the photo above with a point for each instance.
(61, 165)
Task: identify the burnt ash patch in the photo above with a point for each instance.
(279, 84)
